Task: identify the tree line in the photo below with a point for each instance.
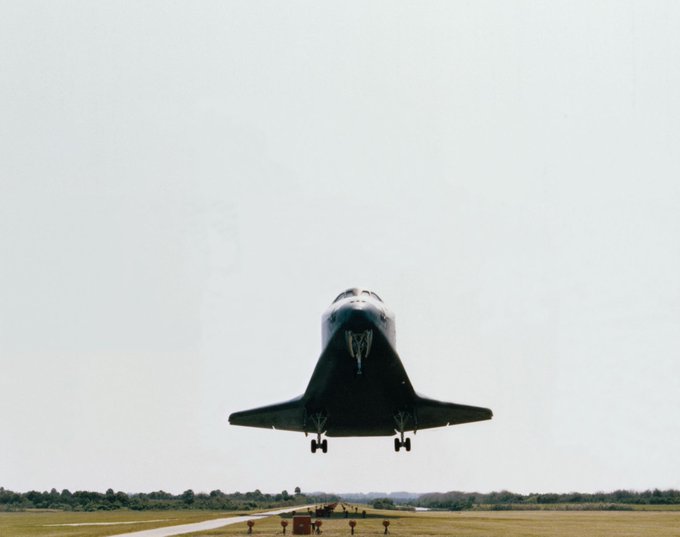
(457, 501)
(237, 501)
(81, 500)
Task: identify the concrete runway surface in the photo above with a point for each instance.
(208, 524)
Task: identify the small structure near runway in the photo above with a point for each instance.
(326, 511)
(302, 525)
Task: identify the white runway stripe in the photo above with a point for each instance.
(208, 524)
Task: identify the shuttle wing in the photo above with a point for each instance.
(432, 413)
(288, 416)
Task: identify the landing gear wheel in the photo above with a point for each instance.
(319, 420)
(402, 419)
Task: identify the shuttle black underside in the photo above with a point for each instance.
(373, 398)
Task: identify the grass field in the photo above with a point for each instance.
(48, 524)
(491, 524)
(463, 524)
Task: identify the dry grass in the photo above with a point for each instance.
(488, 524)
(460, 524)
(40, 523)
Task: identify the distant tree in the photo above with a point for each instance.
(188, 496)
(298, 490)
(254, 495)
(383, 503)
(160, 495)
(462, 504)
(136, 504)
(122, 499)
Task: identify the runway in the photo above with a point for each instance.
(208, 524)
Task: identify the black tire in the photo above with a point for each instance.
(397, 444)
(407, 444)
(324, 446)
(314, 446)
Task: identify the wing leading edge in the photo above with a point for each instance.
(432, 413)
(287, 416)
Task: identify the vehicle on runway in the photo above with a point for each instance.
(359, 386)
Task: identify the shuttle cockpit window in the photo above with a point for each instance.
(346, 294)
(356, 292)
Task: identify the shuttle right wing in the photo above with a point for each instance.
(288, 416)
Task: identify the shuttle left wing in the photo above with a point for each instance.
(433, 413)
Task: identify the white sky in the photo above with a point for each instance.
(185, 186)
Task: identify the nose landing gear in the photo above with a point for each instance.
(359, 345)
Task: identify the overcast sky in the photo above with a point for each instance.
(185, 187)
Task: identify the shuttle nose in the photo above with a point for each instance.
(361, 315)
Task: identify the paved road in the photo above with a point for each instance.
(208, 524)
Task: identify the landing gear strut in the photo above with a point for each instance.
(400, 419)
(319, 420)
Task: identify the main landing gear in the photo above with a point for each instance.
(400, 419)
(319, 420)
(398, 444)
(320, 444)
